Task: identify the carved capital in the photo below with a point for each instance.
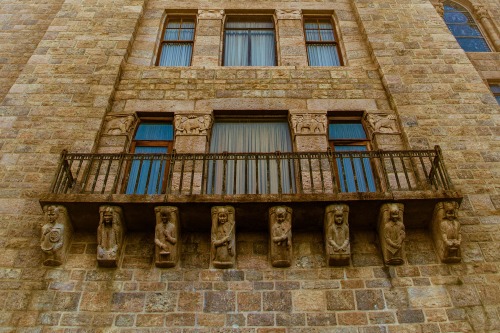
(481, 12)
(56, 235)
(391, 230)
(446, 232)
(193, 124)
(119, 124)
(308, 123)
(289, 14)
(336, 232)
(210, 14)
(382, 123)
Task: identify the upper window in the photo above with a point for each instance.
(464, 28)
(322, 47)
(176, 47)
(354, 171)
(495, 89)
(249, 41)
(147, 173)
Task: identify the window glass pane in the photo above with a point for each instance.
(473, 44)
(464, 30)
(173, 24)
(455, 17)
(139, 182)
(346, 131)
(312, 35)
(498, 99)
(176, 54)
(258, 24)
(355, 174)
(327, 36)
(322, 55)
(495, 88)
(154, 132)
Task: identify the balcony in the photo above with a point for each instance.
(252, 183)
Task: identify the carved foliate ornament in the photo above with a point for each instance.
(338, 246)
(223, 244)
(192, 124)
(110, 235)
(280, 225)
(308, 123)
(481, 12)
(446, 232)
(56, 235)
(288, 14)
(382, 123)
(392, 232)
(119, 124)
(210, 14)
(166, 236)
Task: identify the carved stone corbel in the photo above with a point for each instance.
(193, 124)
(56, 235)
(167, 236)
(308, 123)
(280, 225)
(210, 14)
(110, 235)
(391, 232)
(446, 232)
(336, 231)
(119, 124)
(223, 244)
(288, 14)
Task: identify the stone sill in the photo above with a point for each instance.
(251, 210)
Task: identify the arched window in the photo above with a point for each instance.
(464, 28)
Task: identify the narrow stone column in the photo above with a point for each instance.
(208, 38)
(56, 235)
(446, 232)
(292, 47)
(485, 19)
(167, 240)
(110, 236)
(280, 226)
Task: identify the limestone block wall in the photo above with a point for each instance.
(94, 62)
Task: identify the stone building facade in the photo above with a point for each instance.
(81, 251)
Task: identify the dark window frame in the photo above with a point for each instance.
(495, 90)
(335, 42)
(178, 41)
(249, 18)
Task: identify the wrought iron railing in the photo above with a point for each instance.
(251, 173)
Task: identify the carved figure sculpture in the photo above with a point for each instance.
(192, 124)
(166, 236)
(382, 123)
(392, 233)
(120, 125)
(308, 123)
(223, 237)
(109, 236)
(338, 248)
(446, 231)
(56, 235)
(280, 224)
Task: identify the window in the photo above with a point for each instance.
(354, 173)
(249, 41)
(322, 47)
(251, 175)
(495, 89)
(176, 46)
(464, 28)
(146, 175)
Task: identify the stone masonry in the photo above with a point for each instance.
(69, 67)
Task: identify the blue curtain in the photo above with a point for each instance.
(249, 44)
(355, 170)
(138, 182)
(250, 137)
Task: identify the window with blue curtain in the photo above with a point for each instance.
(249, 42)
(354, 174)
(251, 177)
(322, 47)
(147, 175)
(464, 28)
(176, 48)
(495, 89)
